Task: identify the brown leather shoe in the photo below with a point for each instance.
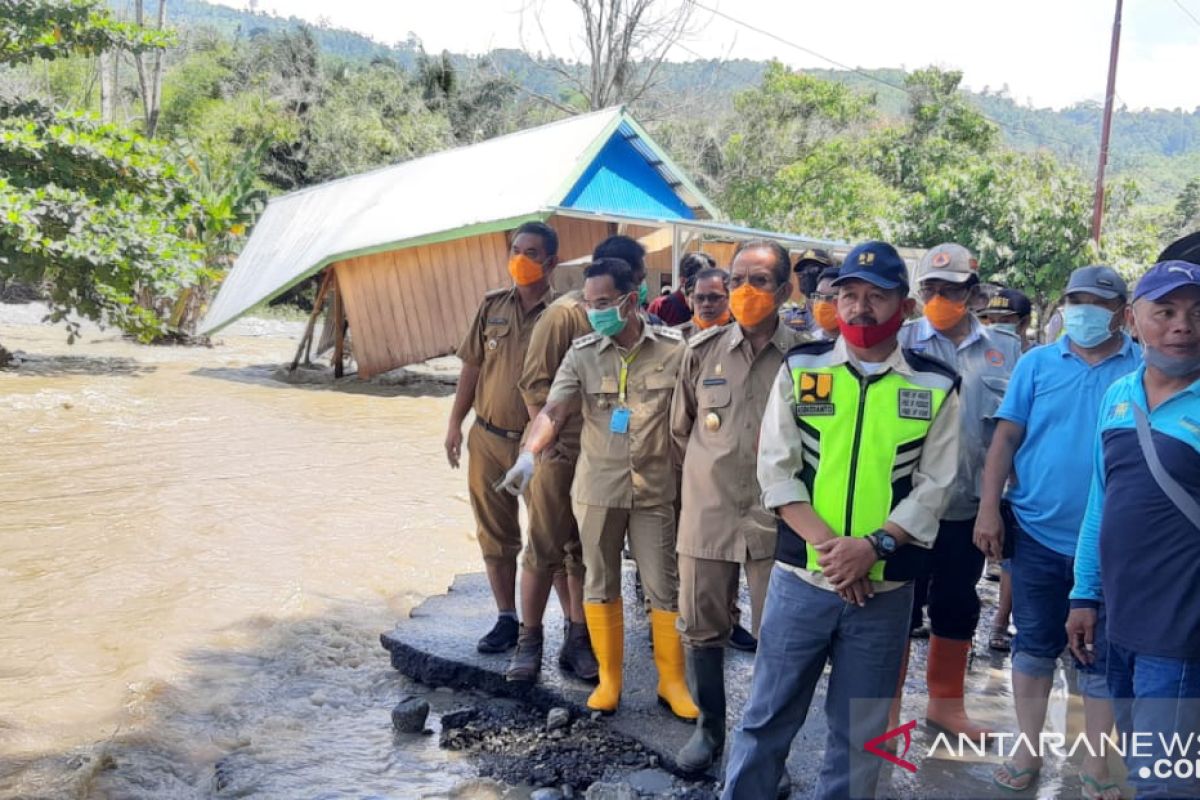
(576, 655)
(526, 661)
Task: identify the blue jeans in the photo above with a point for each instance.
(1157, 696)
(1042, 580)
(804, 626)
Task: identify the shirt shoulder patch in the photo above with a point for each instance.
(586, 339)
(705, 336)
(667, 333)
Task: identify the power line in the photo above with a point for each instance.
(875, 78)
(1187, 11)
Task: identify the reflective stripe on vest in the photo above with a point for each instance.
(861, 440)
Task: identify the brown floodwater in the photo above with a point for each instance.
(196, 559)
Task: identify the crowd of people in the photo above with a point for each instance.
(858, 458)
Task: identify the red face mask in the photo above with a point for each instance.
(867, 336)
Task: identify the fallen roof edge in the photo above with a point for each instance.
(401, 244)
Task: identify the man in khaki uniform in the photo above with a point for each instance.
(708, 295)
(623, 374)
(724, 382)
(493, 354)
(553, 533)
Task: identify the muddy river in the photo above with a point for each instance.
(196, 560)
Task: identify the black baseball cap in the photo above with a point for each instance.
(1008, 301)
(813, 255)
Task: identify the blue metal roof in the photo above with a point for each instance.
(622, 179)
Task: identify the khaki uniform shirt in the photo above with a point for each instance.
(496, 343)
(633, 469)
(562, 323)
(715, 419)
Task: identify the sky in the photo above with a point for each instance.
(1048, 52)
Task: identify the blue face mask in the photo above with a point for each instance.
(1007, 327)
(1087, 325)
(607, 321)
(1171, 366)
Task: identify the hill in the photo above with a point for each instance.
(1159, 148)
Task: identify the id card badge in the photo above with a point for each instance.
(620, 420)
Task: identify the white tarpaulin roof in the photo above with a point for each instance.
(493, 185)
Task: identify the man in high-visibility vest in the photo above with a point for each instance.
(857, 456)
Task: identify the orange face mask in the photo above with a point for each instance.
(721, 320)
(944, 314)
(751, 306)
(825, 315)
(524, 270)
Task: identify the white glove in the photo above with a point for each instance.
(517, 478)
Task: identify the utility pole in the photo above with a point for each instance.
(1098, 203)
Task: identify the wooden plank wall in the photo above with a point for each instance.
(406, 306)
(576, 239)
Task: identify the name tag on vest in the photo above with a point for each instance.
(915, 404)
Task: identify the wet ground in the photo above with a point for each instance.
(436, 646)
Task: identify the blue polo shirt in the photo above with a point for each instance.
(1055, 396)
(1136, 550)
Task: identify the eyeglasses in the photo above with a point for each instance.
(949, 291)
(764, 282)
(709, 299)
(818, 297)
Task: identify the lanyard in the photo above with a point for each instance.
(623, 377)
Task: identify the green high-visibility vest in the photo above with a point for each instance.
(862, 437)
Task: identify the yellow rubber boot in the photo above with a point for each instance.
(606, 627)
(668, 657)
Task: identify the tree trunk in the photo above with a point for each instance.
(108, 87)
(150, 80)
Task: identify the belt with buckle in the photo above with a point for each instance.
(514, 436)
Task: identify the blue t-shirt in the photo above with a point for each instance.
(1136, 549)
(1055, 396)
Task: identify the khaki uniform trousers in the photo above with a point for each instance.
(553, 545)
(651, 533)
(708, 592)
(497, 514)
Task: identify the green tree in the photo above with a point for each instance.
(783, 151)
(1185, 216)
(93, 212)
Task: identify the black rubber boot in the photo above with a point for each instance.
(576, 654)
(706, 682)
(526, 662)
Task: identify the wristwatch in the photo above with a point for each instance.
(884, 543)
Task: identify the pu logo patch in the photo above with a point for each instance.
(916, 404)
(814, 392)
(866, 259)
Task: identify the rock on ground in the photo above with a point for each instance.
(410, 714)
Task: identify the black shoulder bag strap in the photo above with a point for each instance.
(1186, 504)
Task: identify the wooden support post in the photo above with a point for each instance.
(305, 347)
(339, 330)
